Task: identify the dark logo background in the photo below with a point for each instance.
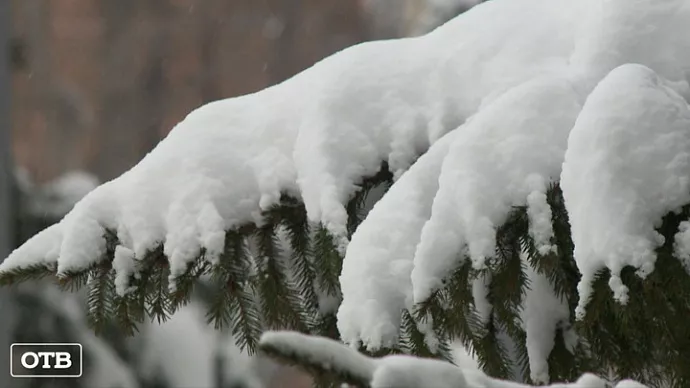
(18, 370)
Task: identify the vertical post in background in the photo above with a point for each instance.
(6, 191)
(6, 170)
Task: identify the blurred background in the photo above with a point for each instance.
(88, 87)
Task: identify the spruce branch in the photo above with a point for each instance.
(325, 325)
(100, 294)
(429, 344)
(159, 305)
(129, 311)
(25, 273)
(356, 206)
(280, 303)
(184, 284)
(491, 353)
(294, 221)
(73, 281)
(233, 305)
(330, 262)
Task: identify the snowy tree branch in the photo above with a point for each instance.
(319, 355)
(324, 355)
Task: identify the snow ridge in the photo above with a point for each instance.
(627, 164)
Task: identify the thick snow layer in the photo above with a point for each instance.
(41, 249)
(313, 136)
(491, 165)
(379, 258)
(627, 164)
(615, 32)
(495, 150)
(508, 77)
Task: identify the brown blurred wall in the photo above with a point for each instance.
(104, 80)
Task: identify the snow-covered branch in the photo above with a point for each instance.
(399, 371)
(550, 134)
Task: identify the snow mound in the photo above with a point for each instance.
(313, 137)
(615, 32)
(627, 164)
(593, 93)
(492, 165)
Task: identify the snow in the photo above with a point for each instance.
(183, 349)
(320, 351)
(462, 357)
(412, 372)
(480, 296)
(627, 164)
(616, 32)
(539, 215)
(681, 247)
(379, 258)
(124, 266)
(310, 137)
(41, 249)
(494, 148)
(541, 314)
(629, 384)
(400, 371)
(467, 208)
(591, 93)
(180, 350)
(426, 327)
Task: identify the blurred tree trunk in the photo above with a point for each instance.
(208, 43)
(287, 16)
(6, 189)
(152, 110)
(116, 125)
(36, 15)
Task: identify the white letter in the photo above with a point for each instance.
(32, 365)
(46, 358)
(63, 360)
